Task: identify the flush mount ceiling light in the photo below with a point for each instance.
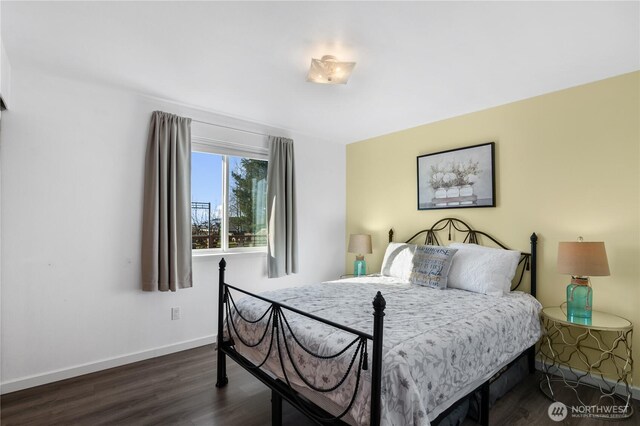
(329, 70)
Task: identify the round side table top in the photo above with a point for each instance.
(599, 320)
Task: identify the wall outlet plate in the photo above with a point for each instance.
(175, 314)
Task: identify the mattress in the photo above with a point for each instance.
(439, 345)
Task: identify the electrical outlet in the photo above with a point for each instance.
(175, 314)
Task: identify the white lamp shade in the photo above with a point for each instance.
(360, 244)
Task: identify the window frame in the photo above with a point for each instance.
(225, 152)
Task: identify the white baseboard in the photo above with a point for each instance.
(635, 391)
(92, 367)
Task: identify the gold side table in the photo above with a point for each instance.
(578, 355)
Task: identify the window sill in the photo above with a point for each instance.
(220, 253)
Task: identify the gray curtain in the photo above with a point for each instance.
(166, 228)
(282, 247)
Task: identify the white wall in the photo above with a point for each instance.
(72, 183)
(5, 77)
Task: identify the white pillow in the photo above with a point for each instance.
(483, 269)
(398, 260)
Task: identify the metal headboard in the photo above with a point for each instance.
(527, 260)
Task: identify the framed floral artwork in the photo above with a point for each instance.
(457, 178)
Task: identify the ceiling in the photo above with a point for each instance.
(417, 62)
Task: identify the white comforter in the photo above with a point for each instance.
(438, 344)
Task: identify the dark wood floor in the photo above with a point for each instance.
(179, 389)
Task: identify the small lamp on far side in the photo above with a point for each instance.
(581, 260)
(360, 244)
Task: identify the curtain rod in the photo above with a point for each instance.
(230, 128)
(230, 145)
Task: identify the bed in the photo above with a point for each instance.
(429, 348)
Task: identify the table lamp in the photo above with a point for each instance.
(581, 260)
(360, 244)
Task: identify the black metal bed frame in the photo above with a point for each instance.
(277, 324)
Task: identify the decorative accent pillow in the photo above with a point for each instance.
(398, 260)
(481, 269)
(431, 266)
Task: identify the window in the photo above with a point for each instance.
(228, 201)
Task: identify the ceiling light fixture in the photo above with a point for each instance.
(329, 70)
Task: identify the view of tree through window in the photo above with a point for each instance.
(247, 202)
(245, 209)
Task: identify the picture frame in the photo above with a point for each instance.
(457, 178)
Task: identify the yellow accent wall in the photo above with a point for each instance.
(567, 164)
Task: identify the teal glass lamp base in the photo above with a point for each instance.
(579, 302)
(359, 267)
